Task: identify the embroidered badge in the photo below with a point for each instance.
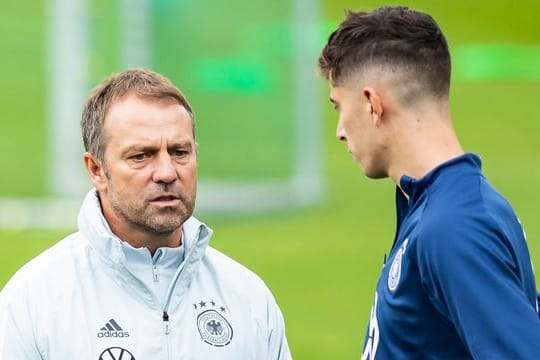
(394, 274)
(213, 327)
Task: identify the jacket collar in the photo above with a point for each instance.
(95, 229)
(415, 187)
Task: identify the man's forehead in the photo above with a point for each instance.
(133, 116)
(133, 107)
(133, 97)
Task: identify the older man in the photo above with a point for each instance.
(138, 280)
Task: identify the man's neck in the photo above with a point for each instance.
(139, 238)
(423, 145)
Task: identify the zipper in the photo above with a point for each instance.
(166, 326)
(165, 316)
(188, 255)
(155, 273)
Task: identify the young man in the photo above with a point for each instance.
(138, 280)
(458, 283)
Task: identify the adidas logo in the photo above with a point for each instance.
(112, 329)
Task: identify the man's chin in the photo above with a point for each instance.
(163, 227)
(372, 173)
(375, 174)
(169, 221)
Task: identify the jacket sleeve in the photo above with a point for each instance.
(473, 276)
(17, 339)
(278, 348)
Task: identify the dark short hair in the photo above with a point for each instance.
(393, 36)
(141, 82)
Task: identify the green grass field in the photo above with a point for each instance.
(321, 262)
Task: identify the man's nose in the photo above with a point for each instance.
(340, 133)
(165, 171)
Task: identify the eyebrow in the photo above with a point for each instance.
(150, 147)
(181, 144)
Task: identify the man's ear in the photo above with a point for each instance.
(374, 103)
(95, 171)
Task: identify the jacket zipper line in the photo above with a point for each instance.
(166, 324)
(165, 316)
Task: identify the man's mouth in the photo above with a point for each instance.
(166, 200)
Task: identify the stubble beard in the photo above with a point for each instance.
(150, 219)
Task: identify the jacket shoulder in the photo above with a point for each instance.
(225, 266)
(50, 265)
(240, 282)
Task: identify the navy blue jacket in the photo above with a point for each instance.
(459, 282)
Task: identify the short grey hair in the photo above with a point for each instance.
(141, 82)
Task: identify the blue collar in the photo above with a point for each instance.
(415, 187)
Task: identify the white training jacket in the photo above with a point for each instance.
(78, 300)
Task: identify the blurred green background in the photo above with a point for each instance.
(322, 261)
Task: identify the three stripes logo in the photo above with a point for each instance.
(112, 329)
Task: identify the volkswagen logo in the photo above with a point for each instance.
(116, 353)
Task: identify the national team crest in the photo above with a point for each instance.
(213, 327)
(394, 275)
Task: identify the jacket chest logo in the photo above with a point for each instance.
(394, 275)
(212, 324)
(112, 329)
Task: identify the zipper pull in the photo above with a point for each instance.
(155, 273)
(166, 328)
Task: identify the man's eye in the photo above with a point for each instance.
(139, 157)
(181, 153)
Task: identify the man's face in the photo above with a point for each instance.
(357, 127)
(150, 164)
